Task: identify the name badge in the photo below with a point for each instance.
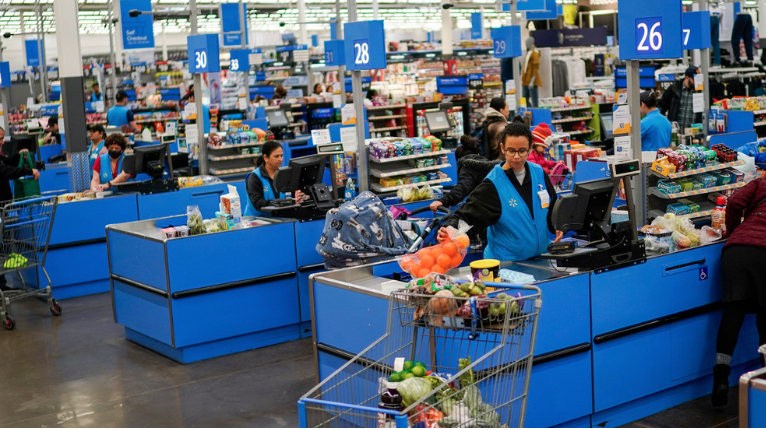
(545, 199)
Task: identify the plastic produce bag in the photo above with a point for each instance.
(709, 235)
(194, 220)
(749, 166)
(438, 258)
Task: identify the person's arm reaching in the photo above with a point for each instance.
(458, 193)
(9, 172)
(481, 210)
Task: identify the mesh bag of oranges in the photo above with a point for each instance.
(438, 258)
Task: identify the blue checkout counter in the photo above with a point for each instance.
(611, 347)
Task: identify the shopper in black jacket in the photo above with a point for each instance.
(472, 168)
(676, 102)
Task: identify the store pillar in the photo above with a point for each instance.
(72, 96)
(302, 23)
(446, 30)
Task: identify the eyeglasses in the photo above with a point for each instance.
(512, 152)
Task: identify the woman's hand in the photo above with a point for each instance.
(443, 236)
(435, 205)
(559, 235)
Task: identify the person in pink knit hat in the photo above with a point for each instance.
(541, 141)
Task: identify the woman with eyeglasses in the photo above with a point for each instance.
(514, 202)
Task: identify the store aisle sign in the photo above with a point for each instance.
(696, 28)
(549, 11)
(650, 30)
(5, 74)
(570, 37)
(231, 33)
(476, 25)
(506, 41)
(365, 45)
(334, 53)
(203, 50)
(138, 32)
(33, 53)
(523, 5)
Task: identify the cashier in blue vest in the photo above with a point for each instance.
(96, 95)
(107, 170)
(120, 114)
(97, 148)
(514, 202)
(655, 128)
(260, 182)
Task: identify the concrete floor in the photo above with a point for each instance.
(78, 370)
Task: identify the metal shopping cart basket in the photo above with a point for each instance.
(480, 358)
(752, 396)
(25, 229)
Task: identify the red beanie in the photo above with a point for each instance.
(541, 135)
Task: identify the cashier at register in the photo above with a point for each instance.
(260, 182)
(514, 202)
(655, 128)
(107, 170)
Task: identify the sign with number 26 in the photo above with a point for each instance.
(650, 29)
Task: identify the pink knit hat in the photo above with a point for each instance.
(541, 135)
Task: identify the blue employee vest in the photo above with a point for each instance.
(517, 236)
(268, 194)
(96, 98)
(655, 131)
(106, 168)
(117, 116)
(94, 153)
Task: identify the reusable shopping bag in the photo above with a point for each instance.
(26, 187)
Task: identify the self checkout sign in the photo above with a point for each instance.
(696, 28)
(650, 29)
(203, 50)
(365, 45)
(5, 74)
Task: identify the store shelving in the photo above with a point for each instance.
(656, 192)
(406, 171)
(380, 189)
(410, 157)
(700, 170)
(565, 120)
(564, 109)
(380, 118)
(395, 118)
(579, 132)
(397, 106)
(380, 130)
(706, 211)
(238, 145)
(225, 172)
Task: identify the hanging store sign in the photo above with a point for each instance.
(231, 34)
(570, 37)
(696, 28)
(524, 5)
(550, 11)
(365, 45)
(239, 60)
(650, 30)
(476, 26)
(452, 85)
(138, 32)
(5, 74)
(203, 50)
(334, 52)
(33, 53)
(506, 41)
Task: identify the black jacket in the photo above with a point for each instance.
(6, 174)
(670, 103)
(471, 170)
(483, 208)
(254, 188)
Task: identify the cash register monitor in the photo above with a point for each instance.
(276, 118)
(150, 160)
(437, 121)
(587, 207)
(300, 174)
(18, 142)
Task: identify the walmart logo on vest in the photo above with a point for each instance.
(104, 175)
(512, 202)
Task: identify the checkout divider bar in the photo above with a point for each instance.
(73, 244)
(139, 285)
(311, 268)
(659, 322)
(231, 285)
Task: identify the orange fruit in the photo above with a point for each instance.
(450, 249)
(462, 241)
(443, 260)
(422, 252)
(436, 251)
(455, 260)
(414, 269)
(427, 261)
(438, 269)
(406, 263)
(423, 273)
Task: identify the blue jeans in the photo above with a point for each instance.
(530, 93)
(743, 29)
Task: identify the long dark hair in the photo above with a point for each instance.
(468, 145)
(268, 147)
(515, 128)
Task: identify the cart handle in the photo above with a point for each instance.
(442, 209)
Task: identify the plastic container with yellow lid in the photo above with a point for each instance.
(485, 270)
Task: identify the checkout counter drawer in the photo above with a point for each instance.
(662, 286)
(56, 180)
(565, 315)
(142, 310)
(212, 315)
(642, 363)
(307, 235)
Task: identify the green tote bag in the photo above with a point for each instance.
(26, 187)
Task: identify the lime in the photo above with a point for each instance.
(421, 364)
(408, 365)
(395, 377)
(407, 376)
(466, 287)
(419, 371)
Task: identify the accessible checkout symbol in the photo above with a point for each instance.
(703, 273)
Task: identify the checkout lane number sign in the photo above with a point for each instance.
(649, 35)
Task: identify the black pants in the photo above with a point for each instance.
(731, 322)
(743, 29)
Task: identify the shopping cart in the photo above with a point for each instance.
(25, 229)
(432, 226)
(752, 396)
(482, 364)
